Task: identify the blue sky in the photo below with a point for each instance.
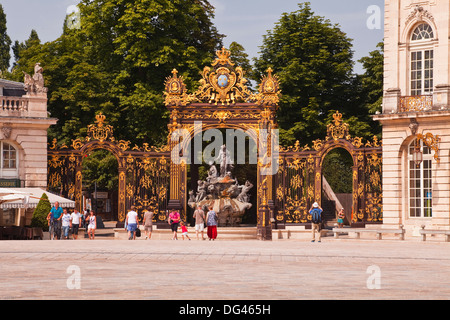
(243, 21)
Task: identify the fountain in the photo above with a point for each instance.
(223, 192)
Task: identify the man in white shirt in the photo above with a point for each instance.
(75, 219)
(65, 223)
(132, 223)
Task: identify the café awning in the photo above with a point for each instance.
(29, 198)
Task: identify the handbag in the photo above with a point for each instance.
(138, 232)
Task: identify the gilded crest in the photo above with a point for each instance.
(337, 129)
(100, 131)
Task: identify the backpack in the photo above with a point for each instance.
(316, 216)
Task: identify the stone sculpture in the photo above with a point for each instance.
(223, 192)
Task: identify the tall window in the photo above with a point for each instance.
(422, 61)
(420, 178)
(8, 161)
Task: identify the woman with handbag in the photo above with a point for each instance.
(174, 221)
(211, 223)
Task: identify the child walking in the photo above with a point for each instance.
(184, 231)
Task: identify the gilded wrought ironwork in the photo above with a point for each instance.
(432, 142)
(299, 179)
(148, 177)
(415, 103)
(222, 84)
(338, 129)
(100, 131)
(143, 172)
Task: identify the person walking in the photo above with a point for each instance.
(316, 220)
(57, 213)
(148, 223)
(75, 220)
(199, 216)
(211, 223)
(132, 222)
(50, 225)
(86, 215)
(174, 221)
(65, 223)
(184, 230)
(92, 225)
(340, 220)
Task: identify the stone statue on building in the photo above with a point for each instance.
(35, 84)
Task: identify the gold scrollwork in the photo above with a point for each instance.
(100, 131)
(222, 84)
(432, 142)
(338, 129)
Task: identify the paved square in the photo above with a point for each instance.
(191, 270)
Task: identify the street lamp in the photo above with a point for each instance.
(417, 153)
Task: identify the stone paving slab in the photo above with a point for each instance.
(223, 270)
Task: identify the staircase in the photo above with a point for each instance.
(330, 205)
(329, 213)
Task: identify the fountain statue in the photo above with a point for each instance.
(223, 192)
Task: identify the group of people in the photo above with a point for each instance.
(132, 223)
(174, 219)
(210, 221)
(60, 221)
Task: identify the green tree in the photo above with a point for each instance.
(313, 59)
(337, 169)
(18, 47)
(100, 167)
(39, 218)
(138, 43)
(371, 83)
(240, 58)
(5, 43)
(116, 63)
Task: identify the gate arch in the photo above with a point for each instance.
(142, 171)
(299, 180)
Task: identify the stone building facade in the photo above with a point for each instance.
(416, 115)
(23, 135)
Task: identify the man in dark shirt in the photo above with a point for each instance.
(316, 220)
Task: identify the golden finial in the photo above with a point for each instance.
(223, 57)
(100, 119)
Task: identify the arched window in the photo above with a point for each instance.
(422, 32)
(420, 178)
(8, 160)
(422, 60)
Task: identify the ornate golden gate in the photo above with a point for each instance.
(149, 176)
(223, 100)
(143, 171)
(298, 183)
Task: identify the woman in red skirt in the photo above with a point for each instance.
(211, 223)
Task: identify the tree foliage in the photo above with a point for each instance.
(371, 84)
(314, 61)
(100, 167)
(240, 58)
(5, 43)
(117, 61)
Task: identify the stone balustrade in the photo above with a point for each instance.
(10, 104)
